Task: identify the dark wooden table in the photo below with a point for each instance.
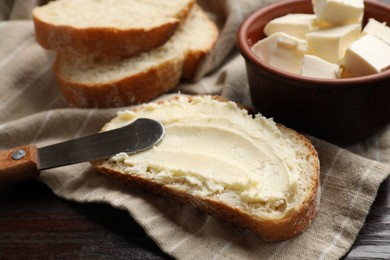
(36, 224)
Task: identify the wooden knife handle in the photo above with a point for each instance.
(18, 164)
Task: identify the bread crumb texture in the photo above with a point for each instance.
(119, 14)
(106, 81)
(197, 34)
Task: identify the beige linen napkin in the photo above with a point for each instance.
(33, 112)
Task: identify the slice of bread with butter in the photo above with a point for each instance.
(121, 27)
(245, 170)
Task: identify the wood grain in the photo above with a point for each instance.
(35, 222)
(374, 238)
(20, 169)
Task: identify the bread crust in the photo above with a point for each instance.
(101, 40)
(193, 61)
(130, 90)
(105, 41)
(140, 86)
(194, 58)
(277, 229)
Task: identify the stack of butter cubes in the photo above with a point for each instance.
(330, 43)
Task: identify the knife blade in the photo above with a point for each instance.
(26, 162)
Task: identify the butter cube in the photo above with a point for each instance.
(377, 29)
(313, 66)
(296, 25)
(366, 56)
(330, 44)
(339, 12)
(282, 51)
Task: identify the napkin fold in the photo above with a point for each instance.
(33, 112)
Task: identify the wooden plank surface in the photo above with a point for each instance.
(35, 222)
(374, 238)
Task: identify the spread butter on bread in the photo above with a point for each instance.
(112, 81)
(120, 27)
(246, 170)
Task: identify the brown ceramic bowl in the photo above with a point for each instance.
(341, 111)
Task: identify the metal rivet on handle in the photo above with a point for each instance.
(18, 154)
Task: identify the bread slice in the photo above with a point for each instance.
(121, 27)
(113, 81)
(197, 40)
(216, 157)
